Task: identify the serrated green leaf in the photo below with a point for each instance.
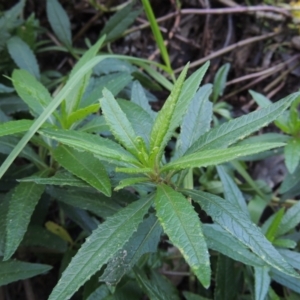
(237, 223)
(104, 148)
(85, 166)
(152, 290)
(9, 20)
(38, 236)
(144, 240)
(80, 217)
(21, 206)
(13, 270)
(23, 56)
(138, 97)
(81, 113)
(225, 280)
(8, 143)
(292, 257)
(220, 81)
(292, 154)
(59, 22)
(119, 22)
(231, 191)
(262, 282)
(290, 181)
(260, 99)
(285, 280)
(140, 120)
(130, 181)
(216, 156)
(118, 123)
(115, 83)
(74, 98)
(290, 219)
(228, 133)
(196, 121)
(10, 104)
(100, 246)
(32, 92)
(13, 127)
(86, 199)
(220, 240)
(61, 177)
(181, 223)
(274, 225)
(161, 130)
(96, 125)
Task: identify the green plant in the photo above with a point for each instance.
(134, 155)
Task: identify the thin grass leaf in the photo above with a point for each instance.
(104, 148)
(100, 246)
(118, 123)
(11, 271)
(216, 156)
(23, 56)
(228, 133)
(85, 166)
(59, 22)
(157, 34)
(274, 225)
(181, 223)
(237, 223)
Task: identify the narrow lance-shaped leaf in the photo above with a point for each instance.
(228, 133)
(196, 121)
(237, 223)
(161, 130)
(32, 92)
(220, 82)
(13, 270)
(144, 240)
(217, 156)
(290, 219)
(118, 123)
(21, 206)
(220, 240)
(85, 166)
(225, 280)
(95, 144)
(292, 154)
(231, 191)
(59, 22)
(23, 56)
(13, 127)
(262, 282)
(181, 223)
(102, 245)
